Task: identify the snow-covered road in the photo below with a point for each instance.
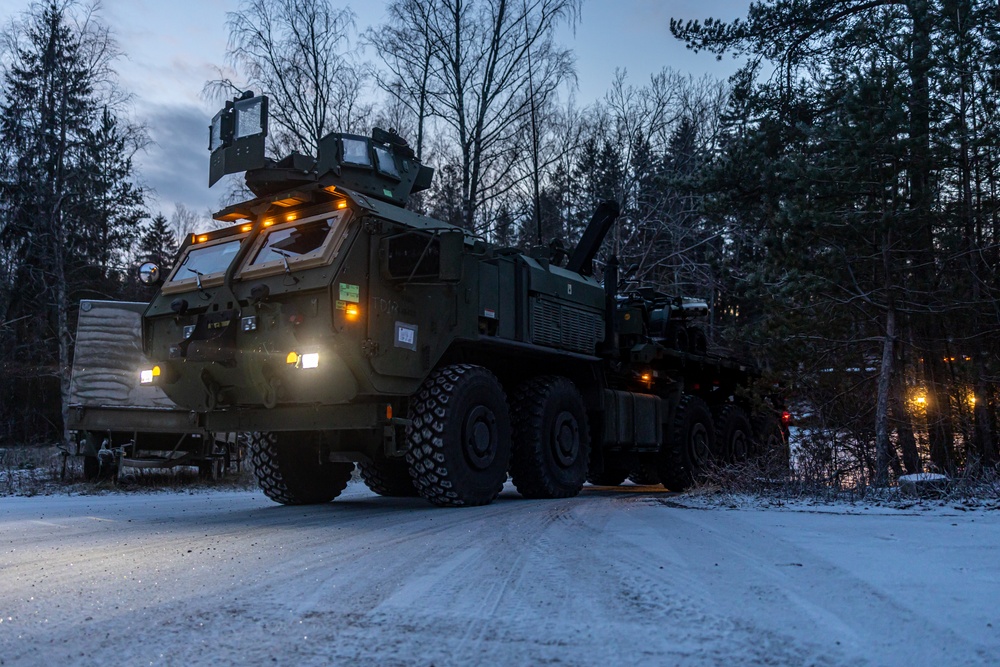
(612, 577)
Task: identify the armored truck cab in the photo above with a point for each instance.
(338, 327)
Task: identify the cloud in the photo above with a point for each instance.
(175, 165)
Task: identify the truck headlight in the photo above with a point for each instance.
(149, 375)
(307, 360)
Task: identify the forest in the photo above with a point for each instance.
(835, 201)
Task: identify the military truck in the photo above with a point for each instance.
(119, 422)
(337, 327)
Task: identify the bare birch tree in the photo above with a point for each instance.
(299, 53)
(479, 59)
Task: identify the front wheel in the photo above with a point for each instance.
(552, 443)
(290, 471)
(459, 437)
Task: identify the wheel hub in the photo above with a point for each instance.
(701, 448)
(740, 446)
(479, 437)
(565, 439)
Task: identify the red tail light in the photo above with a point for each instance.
(786, 418)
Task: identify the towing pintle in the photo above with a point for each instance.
(582, 261)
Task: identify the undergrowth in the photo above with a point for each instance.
(772, 481)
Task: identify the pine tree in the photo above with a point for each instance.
(69, 203)
(158, 244)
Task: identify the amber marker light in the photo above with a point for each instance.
(268, 223)
(202, 238)
(646, 377)
(290, 217)
(352, 312)
(342, 203)
(388, 412)
(246, 228)
(292, 358)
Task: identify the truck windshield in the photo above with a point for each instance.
(204, 260)
(298, 241)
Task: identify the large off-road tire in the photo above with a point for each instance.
(645, 474)
(289, 471)
(459, 437)
(733, 433)
(551, 439)
(689, 447)
(388, 477)
(610, 476)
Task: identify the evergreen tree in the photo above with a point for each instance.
(69, 202)
(157, 243)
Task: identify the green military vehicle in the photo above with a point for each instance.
(337, 327)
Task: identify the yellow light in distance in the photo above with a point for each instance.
(268, 223)
(921, 400)
(351, 311)
(290, 217)
(246, 228)
(646, 377)
(292, 358)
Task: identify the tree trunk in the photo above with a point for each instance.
(882, 443)
(904, 424)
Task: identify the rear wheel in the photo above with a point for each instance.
(689, 447)
(771, 447)
(388, 477)
(289, 470)
(459, 437)
(734, 434)
(551, 440)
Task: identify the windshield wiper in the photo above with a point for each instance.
(198, 274)
(284, 258)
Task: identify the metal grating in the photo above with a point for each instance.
(565, 327)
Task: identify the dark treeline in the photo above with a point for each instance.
(835, 202)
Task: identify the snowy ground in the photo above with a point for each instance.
(611, 577)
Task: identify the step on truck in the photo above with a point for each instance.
(336, 327)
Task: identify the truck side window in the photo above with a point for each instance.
(294, 242)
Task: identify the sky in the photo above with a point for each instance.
(172, 48)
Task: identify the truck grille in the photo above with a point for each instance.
(565, 327)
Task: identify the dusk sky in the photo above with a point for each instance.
(171, 48)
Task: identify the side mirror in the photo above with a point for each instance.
(150, 274)
(419, 256)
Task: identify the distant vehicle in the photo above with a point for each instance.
(338, 327)
(118, 421)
